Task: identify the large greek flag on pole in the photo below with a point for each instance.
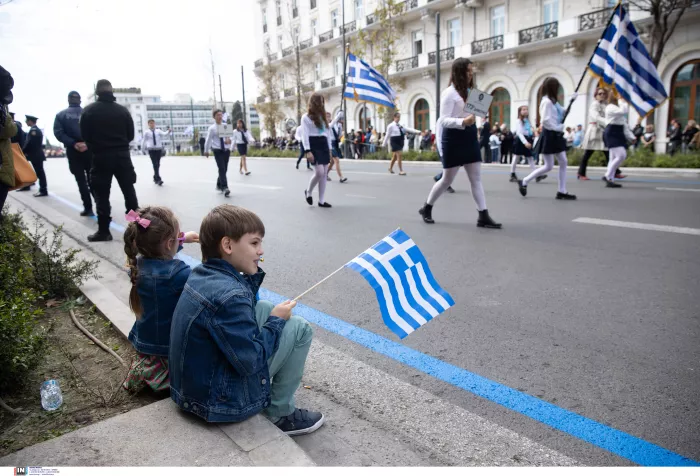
(621, 60)
(407, 292)
(365, 84)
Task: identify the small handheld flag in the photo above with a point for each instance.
(621, 60)
(408, 295)
(365, 84)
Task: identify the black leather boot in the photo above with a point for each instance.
(427, 213)
(485, 221)
(103, 233)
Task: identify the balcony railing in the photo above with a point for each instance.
(407, 64)
(447, 54)
(406, 6)
(261, 99)
(279, 21)
(489, 44)
(258, 63)
(295, 12)
(371, 18)
(592, 20)
(538, 33)
(313, 4)
(265, 28)
(348, 27)
(325, 36)
(305, 44)
(287, 51)
(327, 83)
(307, 88)
(288, 92)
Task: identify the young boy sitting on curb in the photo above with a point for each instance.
(231, 356)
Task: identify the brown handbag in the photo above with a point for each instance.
(24, 172)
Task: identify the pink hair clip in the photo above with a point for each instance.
(135, 217)
(181, 238)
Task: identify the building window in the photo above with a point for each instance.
(267, 47)
(279, 42)
(278, 7)
(281, 79)
(550, 11)
(317, 72)
(500, 106)
(338, 66)
(685, 93)
(498, 20)
(358, 9)
(610, 3)
(314, 23)
(334, 18)
(417, 41)
(313, 4)
(454, 32)
(421, 115)
(363, 118)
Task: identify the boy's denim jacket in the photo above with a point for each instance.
(160, 283)
(218, 355)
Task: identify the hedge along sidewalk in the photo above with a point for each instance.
(255, 441)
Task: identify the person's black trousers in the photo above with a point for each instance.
(222, 157)
(487, 154)
(301, 156)
(587, 155)
(38, 165)
(155, 155)
(104, 167)
(80, 164)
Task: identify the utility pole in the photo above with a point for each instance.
(245, 111)
(346, 47)
(221, 94)
(172, 129)
(437, 68)
(194, 145)
(213, 77)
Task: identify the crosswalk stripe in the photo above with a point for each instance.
(639, 226)
(671, 189)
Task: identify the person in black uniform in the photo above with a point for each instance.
(21, 136)
(34, 151)
(66, 128)
(485, 137)
(202, 140)
(107, 129)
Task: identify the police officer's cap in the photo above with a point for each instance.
(31, 118)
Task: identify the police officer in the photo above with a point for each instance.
(34, 151)
(66, 128)
(107, 128)
(21, 136)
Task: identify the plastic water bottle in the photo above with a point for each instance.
(51, 396)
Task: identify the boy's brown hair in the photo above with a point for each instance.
(226, 220)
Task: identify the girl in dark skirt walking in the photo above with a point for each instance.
(524, 141)
(316, 139)
(553, 142)
(458, 144)
(616, 136)
(241, 137)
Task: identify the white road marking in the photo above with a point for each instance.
(359, 196)
(671, 189)
(640, 226)
(233, 184)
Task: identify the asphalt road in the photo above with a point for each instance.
(599, 320)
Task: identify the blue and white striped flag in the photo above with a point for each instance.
(621, 60)
(365, 84)
(407, 292)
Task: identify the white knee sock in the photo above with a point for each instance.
(548, 165)
(318, 177)
(531, 161)
(448, 176)
(322, 184)
(617, 156)
(474, 173)
(563, 162)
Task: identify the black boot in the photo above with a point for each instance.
(103, 233)
(485, 221)
(513, 177)
(522, 188)
(87, 212)
(427, 213)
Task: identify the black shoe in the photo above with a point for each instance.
(25, 189)
(87, 213)
(450, 189)
(247, 173)
(427, 213)
(324, 205)
(565, 196)
(541, 178)
(41, 194)
(343, 180)
(485, 221)
(611, 184)
(227, 192)
(522, 188)
(159, 183)
(301, 422)
(513, 178)
(297, 166)
(309, 198)
(100, 236)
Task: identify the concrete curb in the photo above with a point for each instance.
(263, 442)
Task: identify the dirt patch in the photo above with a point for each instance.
(89, 377)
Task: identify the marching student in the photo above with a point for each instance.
(297, 136)
(593, 138)
(222, 152)
(617, 134)
(524, 141)
(553, 142)
(336, 132)
(458, 144)
(316, 138)
(396, 136)
(153, 143)
(241, 137)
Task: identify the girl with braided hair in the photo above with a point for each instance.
(151, 241)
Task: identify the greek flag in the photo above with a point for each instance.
(407, 292)
(364, 84)
(621, 60)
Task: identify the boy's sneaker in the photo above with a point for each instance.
(301, 422)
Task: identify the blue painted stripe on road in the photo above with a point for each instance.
(570, 178)
(112, 225)
(615, 441)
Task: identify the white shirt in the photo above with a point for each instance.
(552, 115)
(309, 129)
(617, 115)
(394, 129)
(238, 137)
(451, 114)
(521, 131)
(147, 141)
(213, 140)
(494, 141)
(337, 126)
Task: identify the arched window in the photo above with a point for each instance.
(421, 115)
(500, 106)
(685, 93)
(364, 119)
(560, 99)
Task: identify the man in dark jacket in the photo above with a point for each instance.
(107, 128)
(21, 136)
(484, 142)
(33, 149)
(66, 128)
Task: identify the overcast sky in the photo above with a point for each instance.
(162, 46)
